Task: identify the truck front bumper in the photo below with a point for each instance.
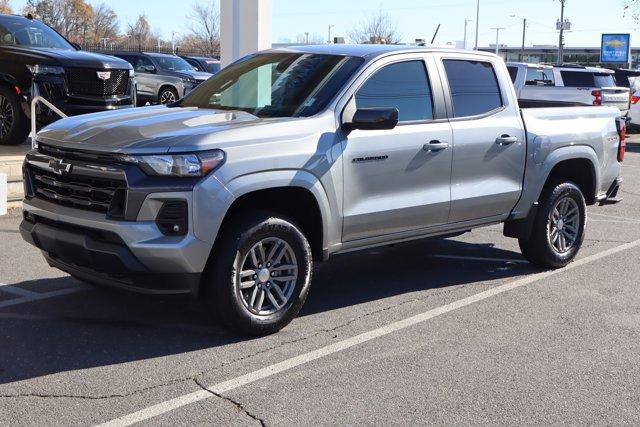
(133, 255)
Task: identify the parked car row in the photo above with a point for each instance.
(548, 86)
(162, 78)
(35, 61)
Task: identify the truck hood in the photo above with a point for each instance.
(198, 75)
(69, 58)
(155, 129)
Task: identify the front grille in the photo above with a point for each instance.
(90, 157)
(94, 194)
(85, 81)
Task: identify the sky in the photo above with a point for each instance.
(414, 18)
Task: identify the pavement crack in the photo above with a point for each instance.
(92, 397)
(234, 402)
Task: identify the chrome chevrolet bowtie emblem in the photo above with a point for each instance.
(104, 75)
(59, 166)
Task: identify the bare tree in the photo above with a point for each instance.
(140, 31)
(71, 18)
(5, 7)
(205, 29)
(377, 29)
(309, 38)
(104, 23)
(632, 7)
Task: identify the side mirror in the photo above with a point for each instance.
(149, 69)
(373, 119)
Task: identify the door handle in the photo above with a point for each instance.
(435, 145)
(506, 139)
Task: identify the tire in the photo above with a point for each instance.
(562, 205)
(167, 95)
(234, 297)
(14, 126)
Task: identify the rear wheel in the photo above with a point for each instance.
(558, 229)
(14, 127)
(259, 275)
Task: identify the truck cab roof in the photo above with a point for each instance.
(370, 51)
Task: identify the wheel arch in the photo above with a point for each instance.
(576, 164)
(296, 194)
(567, 163)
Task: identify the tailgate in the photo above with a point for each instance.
(616, 97)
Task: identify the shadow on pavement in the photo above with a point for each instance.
(101, 327)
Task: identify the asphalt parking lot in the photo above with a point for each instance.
(455, 331)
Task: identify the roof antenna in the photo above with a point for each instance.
(435, 34)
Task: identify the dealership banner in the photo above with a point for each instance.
(615, 48)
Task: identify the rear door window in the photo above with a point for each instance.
(540, 77)
(403, 85)
(474, 87)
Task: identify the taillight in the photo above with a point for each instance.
(597, 94)
(635, 99)
(621, 125)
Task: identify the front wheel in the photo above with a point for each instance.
(14, 126)
(259, 275)
(558, 229)
(168, 95)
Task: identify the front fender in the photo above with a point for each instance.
(292, 178)
(212, 200)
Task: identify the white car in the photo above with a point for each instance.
(548, 86)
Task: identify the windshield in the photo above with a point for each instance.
(172, 63)
(212, 66)
(276, 84)
(22, 32)
(604, 80)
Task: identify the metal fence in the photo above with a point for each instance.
(99, 47)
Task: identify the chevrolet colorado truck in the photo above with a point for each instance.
(290, 156)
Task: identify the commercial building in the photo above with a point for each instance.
(549, 54)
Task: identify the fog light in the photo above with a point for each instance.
(172, 218)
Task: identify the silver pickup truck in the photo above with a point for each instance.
(290, 156)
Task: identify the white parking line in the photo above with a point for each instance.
(178, 402)
(620, 218)
(477, 258)
(613, 221)
(36, 296)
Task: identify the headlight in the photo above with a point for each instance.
(189, 80)
(180, 165)
(45, 69)
(132, 73)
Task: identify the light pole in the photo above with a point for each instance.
(306, 34)
(524, 32)
(497, 37)
(561, 40)
(466, 21)
(329, 38)
(477, 23)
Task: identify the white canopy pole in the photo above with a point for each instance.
(245, 27)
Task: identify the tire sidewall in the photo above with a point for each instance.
(165, 90)
(232, 310)
(560, 191)
(18, 132)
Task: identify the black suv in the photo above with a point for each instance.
(37, 61)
